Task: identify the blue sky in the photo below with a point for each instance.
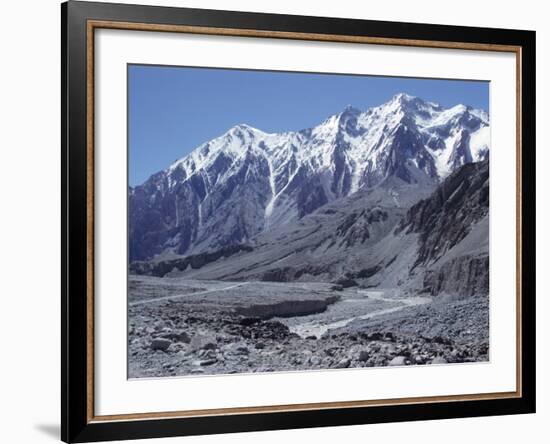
(172, 110)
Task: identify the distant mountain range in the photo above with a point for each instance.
(246, 188)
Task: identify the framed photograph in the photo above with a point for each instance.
(275, 221)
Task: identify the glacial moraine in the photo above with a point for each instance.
(205, 328)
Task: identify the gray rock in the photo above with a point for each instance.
(439, 360)
(344, 363)
(236, 348)
(331, 351)
(363, 356)
(160, 344)
(209, 354)
(207, 362)
(346, 282)
(200, 342)
(182, 336)
(315, 360)
(178, 336)
(398, 360)
(249, 320)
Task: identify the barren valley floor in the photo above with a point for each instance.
(180, 327)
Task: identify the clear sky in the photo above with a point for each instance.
(172, 110)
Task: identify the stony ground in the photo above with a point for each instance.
(174, 334)
(462, 323)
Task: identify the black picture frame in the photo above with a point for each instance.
(76, 423)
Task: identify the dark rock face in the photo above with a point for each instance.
(366, 273)
(171, 211)
(161, 268)
(286, 309)
(464, 276)
(445, 218)
(354, 229)
(159, 214)
(290, 274)
(408, 143)
(346, 282)
(442, 222)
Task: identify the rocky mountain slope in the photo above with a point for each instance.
(247, 182)
(382, 237)
(453, 228)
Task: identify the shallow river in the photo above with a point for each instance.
(363, 304)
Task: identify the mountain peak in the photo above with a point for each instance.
(406, 101)
(460, 108)
(412, 106)
(243, 127)
(350, 109)
(347, 112)
(348, 115)
(403, 97)
(345, 120)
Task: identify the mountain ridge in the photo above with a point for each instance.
(437, 245)
(245, 181)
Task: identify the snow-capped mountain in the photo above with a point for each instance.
(246, 181)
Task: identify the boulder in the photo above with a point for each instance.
(207, 362)
(346, 282)
(236, 348)
(344, 363)
(160, 344)
(246, 321)
(200, 342)
(398, 360)
(315, 360)
(177, 336)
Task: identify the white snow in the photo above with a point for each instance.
(364, 148)
(271, 203)
(177, 213)
(442, 157)
(200, 214)
(479, 142)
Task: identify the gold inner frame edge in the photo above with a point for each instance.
(105, 24)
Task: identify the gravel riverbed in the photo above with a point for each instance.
(208, 328)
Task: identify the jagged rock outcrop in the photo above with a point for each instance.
(161, 268)
(286, 309)
(463, 277)
(455, 264)
(355, 228)
(445, 218)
